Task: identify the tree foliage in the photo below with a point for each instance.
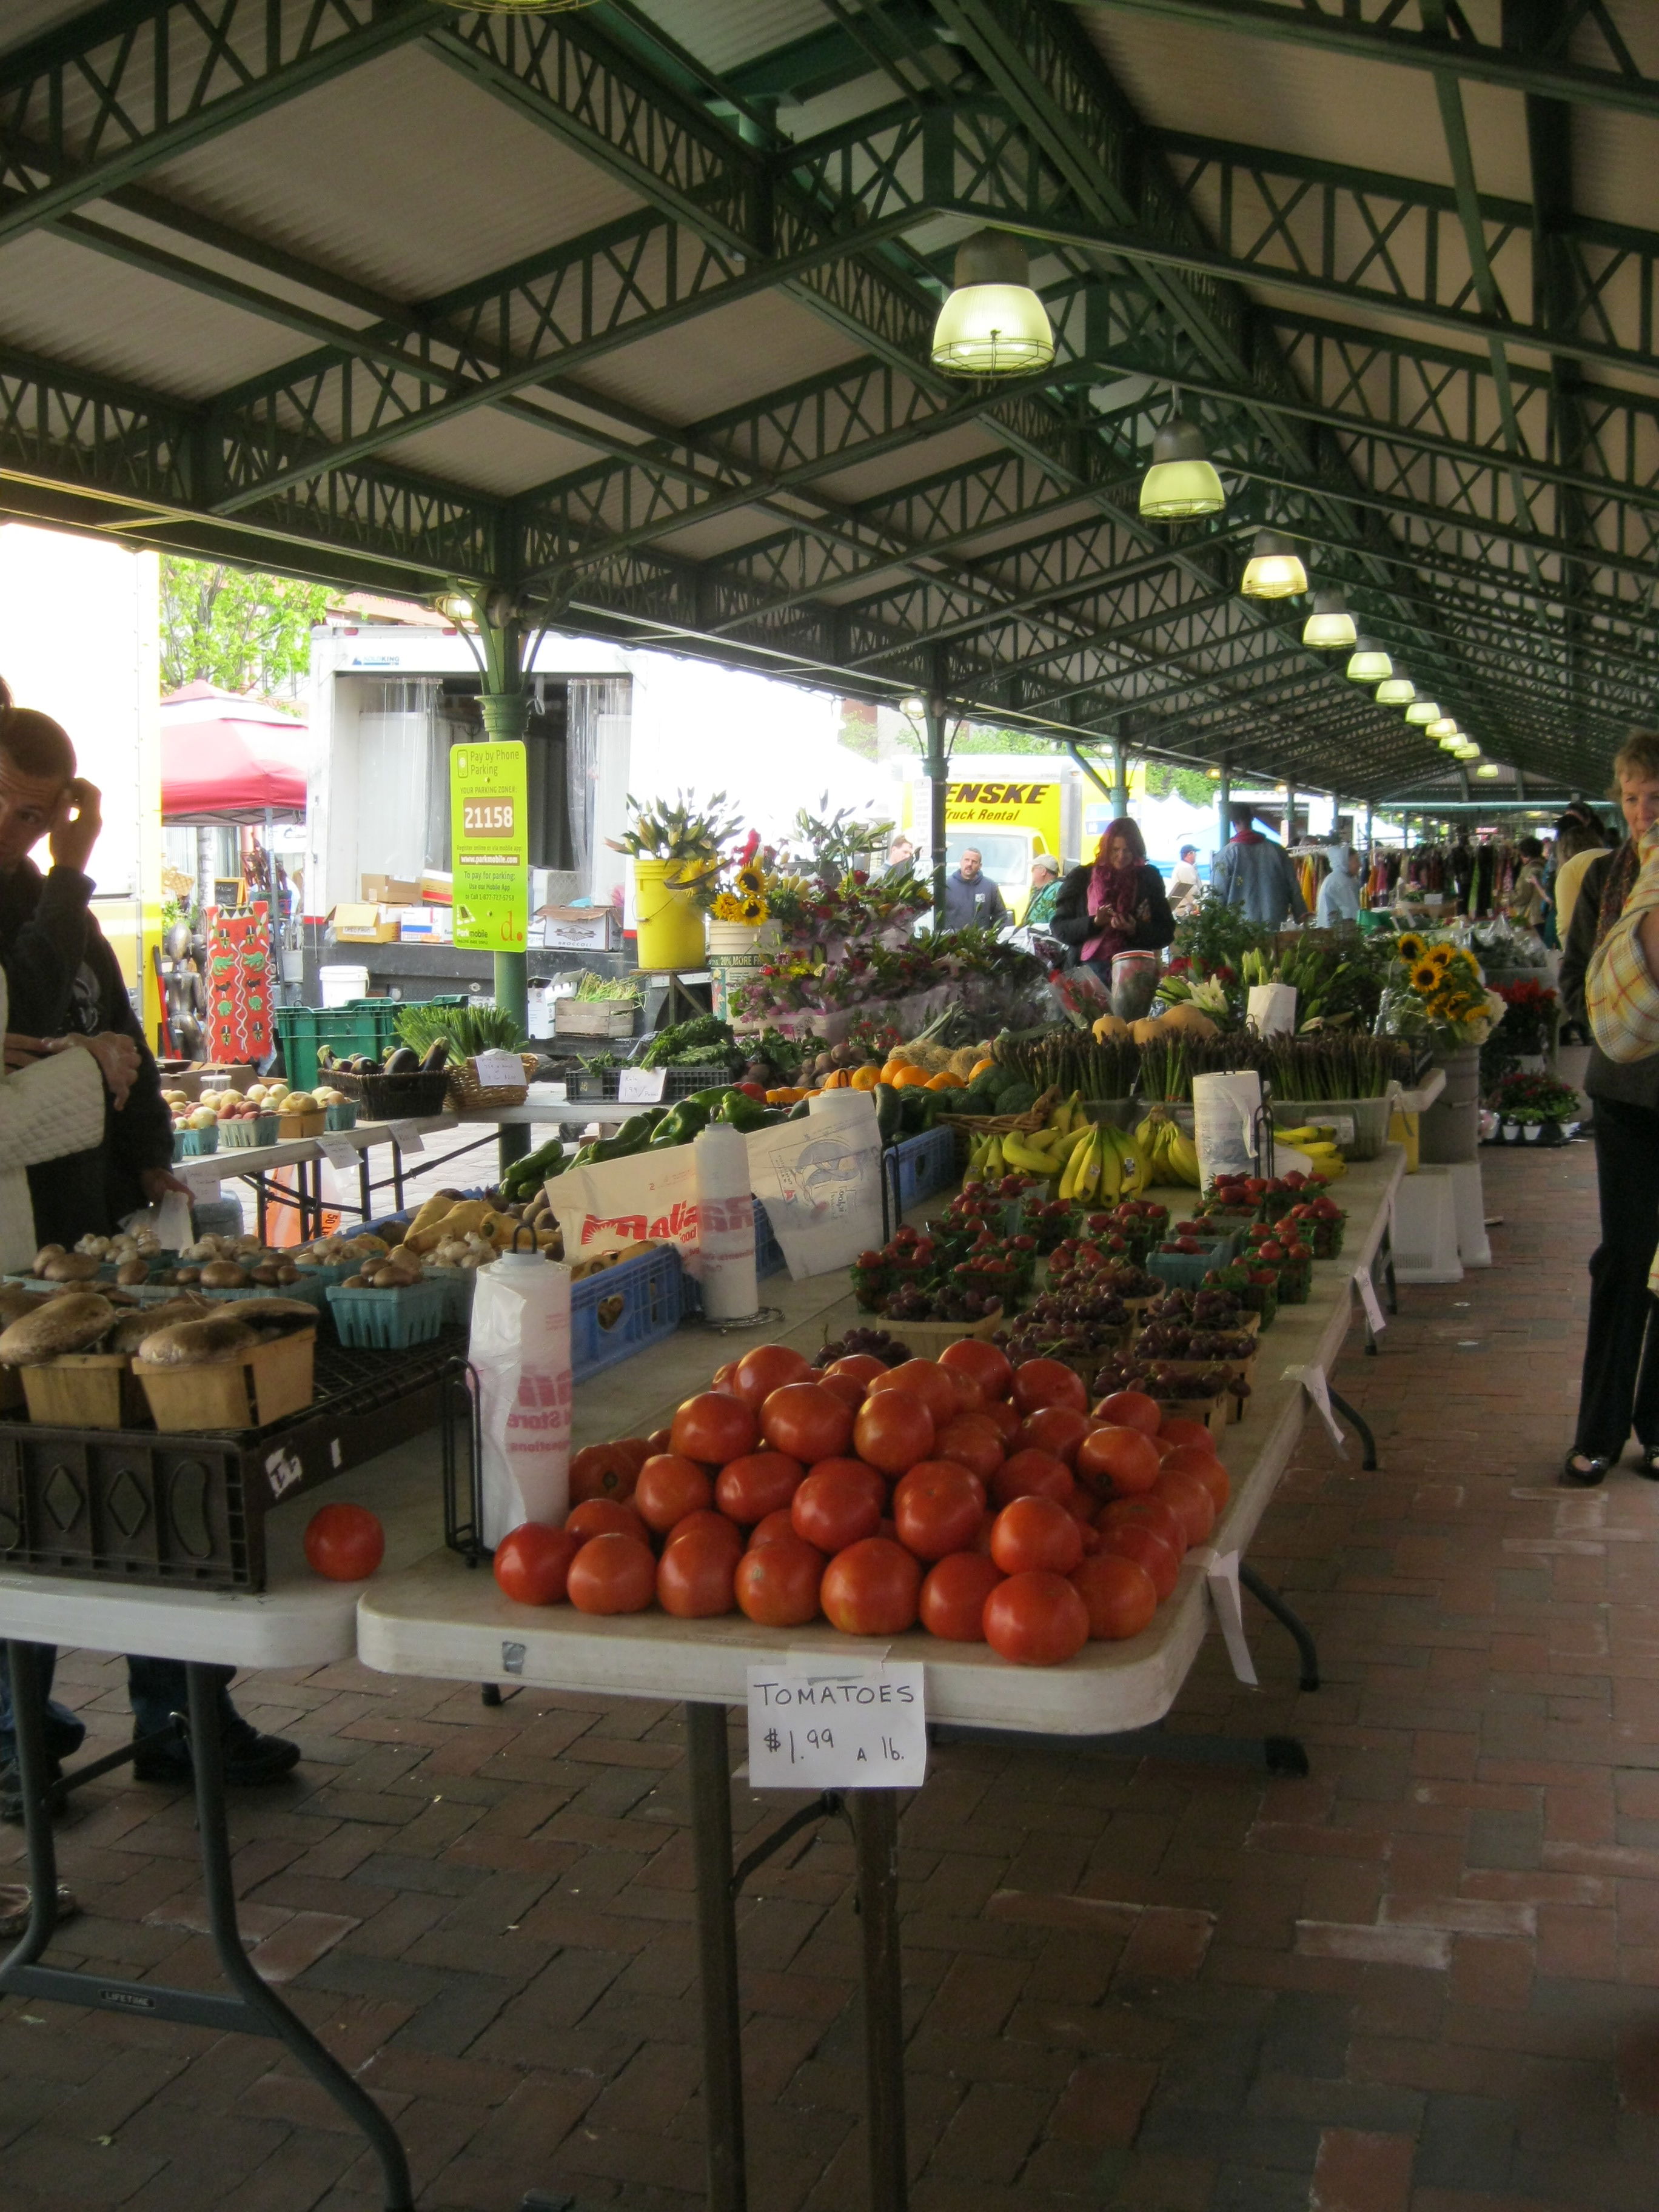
(233, 627)
(1187, 783)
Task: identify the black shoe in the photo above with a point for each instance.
(1649, 1462)
(1574, 1477)
(251, 1759)
(11, 1790)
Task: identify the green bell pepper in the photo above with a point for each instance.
(890, 1112)
(682, 1123)
(744, 1113)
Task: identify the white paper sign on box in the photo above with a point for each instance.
(616, 1203)
(496, 1069)
(838, 1726)
(642, 1086)
(1270, 1009)
(338, 1153)
(820, 1183)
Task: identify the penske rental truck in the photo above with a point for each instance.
(1009, 808)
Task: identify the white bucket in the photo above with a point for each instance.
(738, 950)
(340, 986)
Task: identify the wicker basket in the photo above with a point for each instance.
(398, 1098)
(468, 1095)
(1005, 1125)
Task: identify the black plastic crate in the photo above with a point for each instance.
(129, 1505)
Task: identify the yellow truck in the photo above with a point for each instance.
(1007, 808)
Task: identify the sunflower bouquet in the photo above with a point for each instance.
(1437, 991)
(736, 886)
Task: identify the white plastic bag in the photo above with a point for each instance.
(648, 1197)
(519, 1349)
(820, 1182)
(1224, 1108)
(1270, 1009)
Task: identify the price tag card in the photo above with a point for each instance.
(406, 1136)
(642, 1086)
(1377, 1320)
(1312, 1380)
(838, 1726)
(338, 1153)
(495, 1068)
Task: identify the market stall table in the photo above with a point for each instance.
(297, 1621)
(439, 1621)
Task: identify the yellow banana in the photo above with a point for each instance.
(1088, 1182)
(1069, 1176)
(994, 1167)
(1183, 1158)
(1026, 1158)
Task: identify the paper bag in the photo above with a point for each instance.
(616, 1203)
(1270, 1009)
(520, 1351)
(820, 1182)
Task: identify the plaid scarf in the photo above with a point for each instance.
(1617, 884)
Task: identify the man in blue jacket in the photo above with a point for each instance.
(972, 900)
(1255, 876)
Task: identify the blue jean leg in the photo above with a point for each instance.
(65, 1731)
(156, 1689)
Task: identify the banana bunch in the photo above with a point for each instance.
(1320, 1146)
(1107, 1165)
(1170, 1152)
(1047, 1151)
(985, 1160)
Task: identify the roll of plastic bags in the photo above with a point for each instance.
(1224, 1110)
(725, 1209)
(519, 1350)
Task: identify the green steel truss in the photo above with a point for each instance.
(1491, 513)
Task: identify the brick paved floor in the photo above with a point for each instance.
(1427, 1977)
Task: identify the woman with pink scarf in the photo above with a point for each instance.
(1115, 903)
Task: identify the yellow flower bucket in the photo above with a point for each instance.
(670, 925)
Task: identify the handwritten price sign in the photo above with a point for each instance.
(837, 1727)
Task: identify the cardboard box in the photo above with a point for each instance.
(388, 890)
(436, 924)
(359, 923)
(193, 1081)
(581, 928)
(437, 887)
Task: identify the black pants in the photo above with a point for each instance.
(1621, 1349)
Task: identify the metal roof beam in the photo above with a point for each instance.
(1549, 74)
(165, 77)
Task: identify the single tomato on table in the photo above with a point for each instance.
(778, 1585)
(893, 1430)
(759, 1482)
(807, 1421)
(671, 1486)
(713, 1429)
(840, 1502)
(1032, 1474)
(603, 1517)
(1040, 1382)
(953, 1595)
(1036, 1618)
(612, 1574)
(533, 1563)
(1118, 1593)
(344, 1543)
(1035, 1532)
(766, 1368)
(937, 1508)
(871, 1587)
(696, 1577)
(987, 1363)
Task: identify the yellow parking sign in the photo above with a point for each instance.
(489, 797)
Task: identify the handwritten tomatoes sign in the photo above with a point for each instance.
(489, 839)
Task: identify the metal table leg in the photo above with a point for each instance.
(255, 2009)
(1288, 1618)
(1361, 1428)
(874, 1816)
(709, 1763)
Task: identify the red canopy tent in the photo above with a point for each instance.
(245, 765)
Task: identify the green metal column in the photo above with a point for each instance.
(1224, 802)
(939, 769)
(506, 709)
(1119, 776)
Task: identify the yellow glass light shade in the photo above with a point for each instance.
(1488, 768)
(1396, 690)
(1330, 626)
(1180, 483)
(1274, 570)
(1369, 663)
(1422, 712)
(1444, 728)
(993, 324)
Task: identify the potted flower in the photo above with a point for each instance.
(1532, 1109)
(674, 846)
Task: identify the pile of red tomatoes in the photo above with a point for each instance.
(986, 1501)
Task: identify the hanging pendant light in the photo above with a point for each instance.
(993, 324)
(1444, 728)
(1368, 663)
(1180, 483)
(1330, 625)
(1467, 751)
(1396, 690)
(1422, 712)
(1274, 570)
(1488, 768)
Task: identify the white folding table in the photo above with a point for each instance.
(298, 1620)
(441, 1621)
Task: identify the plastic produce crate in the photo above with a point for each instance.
(390, 1321)
(623, 1309)
(362, 1026)
(187, 1512)
(918, 1166)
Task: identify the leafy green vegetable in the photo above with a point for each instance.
(467, 1030)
